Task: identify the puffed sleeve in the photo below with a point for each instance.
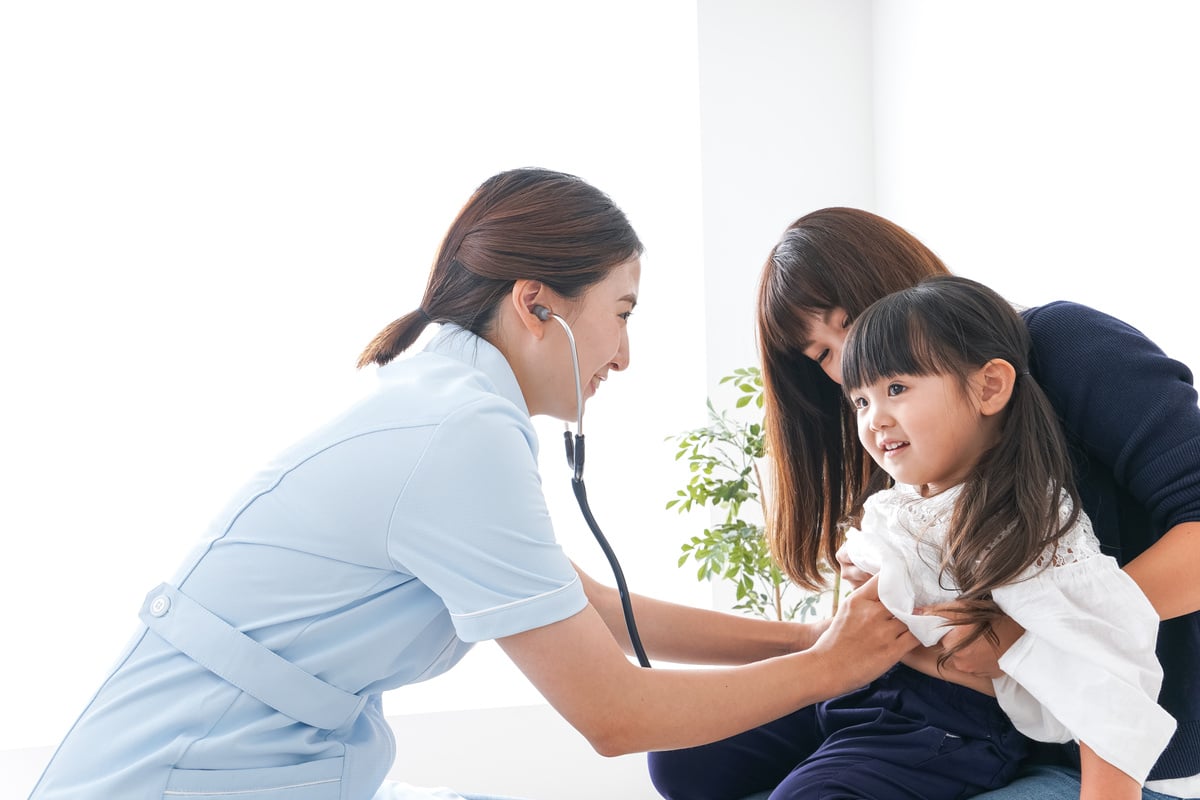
(884, 546)
(1086, 667)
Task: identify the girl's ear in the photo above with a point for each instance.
(996, 379)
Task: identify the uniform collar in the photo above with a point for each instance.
(460, 344)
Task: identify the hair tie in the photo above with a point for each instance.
(424, 314)
(1023, 372)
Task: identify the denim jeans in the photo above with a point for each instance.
(1049, 783)
(1034, 783)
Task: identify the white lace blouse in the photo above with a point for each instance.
(1085, 669)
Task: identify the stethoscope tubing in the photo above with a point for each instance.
(575, 457)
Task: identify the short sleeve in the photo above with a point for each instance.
(472, 525)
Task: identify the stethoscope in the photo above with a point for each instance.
(575, 461)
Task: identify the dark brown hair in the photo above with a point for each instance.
(1006, 516)
(832, 258)
(521, 224)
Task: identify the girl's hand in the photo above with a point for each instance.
(980, 658)
(851, 574)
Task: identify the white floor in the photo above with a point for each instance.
(525, 751)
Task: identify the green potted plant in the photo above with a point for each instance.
(723, 458)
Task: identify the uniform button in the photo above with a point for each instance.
(160, 605)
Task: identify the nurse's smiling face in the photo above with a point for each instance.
(599, 321)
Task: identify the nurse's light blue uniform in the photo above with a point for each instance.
(368, 556)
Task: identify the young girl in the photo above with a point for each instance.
(1129, 411)
(982, 510)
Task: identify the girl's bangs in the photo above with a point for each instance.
(887, 341)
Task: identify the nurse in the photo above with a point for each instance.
(375, 551)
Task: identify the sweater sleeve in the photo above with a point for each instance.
(1125, 402)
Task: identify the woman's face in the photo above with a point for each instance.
(599, 322)
(826, 333)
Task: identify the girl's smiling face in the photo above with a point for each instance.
(927, 431)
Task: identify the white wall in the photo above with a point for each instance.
(1046, 148)
(207, 214)
(786, 109)
(1049, 149)
(209, 209)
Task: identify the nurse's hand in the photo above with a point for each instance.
(980, 658)
(864, 639)
(851, 574)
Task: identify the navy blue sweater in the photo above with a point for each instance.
(1133, 424)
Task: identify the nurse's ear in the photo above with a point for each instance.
(525, 297)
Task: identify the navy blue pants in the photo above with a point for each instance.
(905, 736)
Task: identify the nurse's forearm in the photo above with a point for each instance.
(689, 635)
(1166, 573)
(622, 708)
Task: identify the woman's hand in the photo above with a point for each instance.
(808, 633)
(864, 639)
(980, 658)
(851, 574)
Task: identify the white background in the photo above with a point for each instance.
(206, 210)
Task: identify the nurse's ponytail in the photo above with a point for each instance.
(531, 223)
(394, 339)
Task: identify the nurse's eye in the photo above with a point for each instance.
(626, 315)
(821, 356)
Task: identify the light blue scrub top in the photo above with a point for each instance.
(370, 555)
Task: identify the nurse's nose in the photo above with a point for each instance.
(621, 358)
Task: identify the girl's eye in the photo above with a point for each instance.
(895, 389)
(859, 402)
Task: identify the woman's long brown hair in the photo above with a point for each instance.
(832, 258)
(1008, 513)
(521, 224)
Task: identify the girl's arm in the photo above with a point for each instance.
(924, 659)
(688, 635)
(1103, 781)
(621, 708)
(1165, 573)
